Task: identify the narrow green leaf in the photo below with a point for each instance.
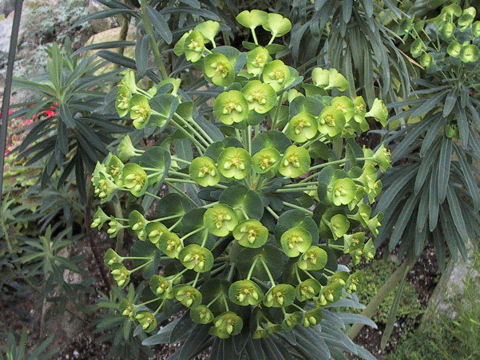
(444, 163)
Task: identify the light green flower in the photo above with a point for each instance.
(147, 320)
(261, 97)
(277, 25)
(295, 241)
(187, 295)
(256, 60)
(161, 287)
(308, 289)
(99, 218)
(196, 258)
(201, 314)
(469, 53)
(315, 258)
(337, 81)
(170, 244)
(251, 233)
(331, 121)
(209, 29)
(234, 163)
(193, 46)
(379, 111)
(219, 69)
(226, 325)
(265, 160)
(125, 149)
(302, 127)
(245, 293)
(281, 295)
(231, 107)
(295, 162)
(135, 179)
(203, 171)
(220, 220)
(320, 77)
(276, 74)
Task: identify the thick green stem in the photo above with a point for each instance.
(382, 293)
(203, 137)
(293, 206)
(156, 51)
(117, 208)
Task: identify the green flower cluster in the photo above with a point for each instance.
(455, 30)
(252, 226)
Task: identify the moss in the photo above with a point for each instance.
(373, 277)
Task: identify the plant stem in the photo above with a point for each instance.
(192, 233)
(255, 40)
(295, 189)
(117, 208)
(175, 158)
(201, 148)
(277, 110)
(141, 266)
(149, 30)
(185, 181)
(274, 214)
(175, 224)
(194, 131)
(249, 275)
(267, 270)
(293, 206)
(382, 293)
(197, 125)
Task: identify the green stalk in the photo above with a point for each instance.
(203, 132)
(190, 126)
(293, 206)
(194, 132)
(267, 270)
(149, 30)
(117, 209)
(382, 293)
(295, 189)
(193, 232)
(277, 110)
(175, 158)
(185, 181)
(274, 214)
(250, 272)
(255, 40)
(140, 267)
(201, 148)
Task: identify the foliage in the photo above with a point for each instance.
(434, 196)
(372, 278)
(357, 41)
(75, 137)
(18, 351)
(444, 338)
(247, 274)
(117, 329)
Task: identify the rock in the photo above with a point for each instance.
(5, 32)
(100, 25)
(6, 6)
(114, 35)
(451, 286)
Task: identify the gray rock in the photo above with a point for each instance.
(7, 6)
(451, 285)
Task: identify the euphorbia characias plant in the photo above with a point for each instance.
(248, 236)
